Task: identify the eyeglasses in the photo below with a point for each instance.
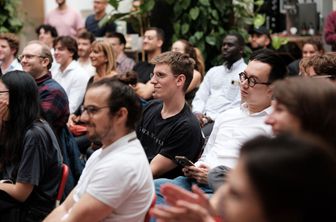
(251, 81)
(331, 77)
(92, 110)
(4, 91)
(158, 75)
(28, 56)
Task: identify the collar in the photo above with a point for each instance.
(235, 65)
(43, 78)
(73, 64)
(120, 58)
(120, 143)
(244, 108)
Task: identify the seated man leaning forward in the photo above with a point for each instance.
(116, 184)
(168, 127)
(234, 126)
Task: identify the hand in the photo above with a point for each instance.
(201, 118)
(73, 120)
(184, 211)
(200, 174)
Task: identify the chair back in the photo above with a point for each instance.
(64, 178)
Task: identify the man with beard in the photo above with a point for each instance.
(84, 42)
(65, 19)
(116, 184)
(219, 90)
(152, 43)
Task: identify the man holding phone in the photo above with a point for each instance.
(168, 127)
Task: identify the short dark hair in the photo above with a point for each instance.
(69, 43)
(179, 63)
(294, 177)
(86, 35)
(13, 41)
(23, 110)
(47, 28)
(270, 57)
(311, 101)
(117, 35)
(159, 32)
(122, 95)
(239, 37)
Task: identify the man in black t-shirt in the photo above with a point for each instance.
(168, 127)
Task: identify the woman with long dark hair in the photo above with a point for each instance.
(30, 158)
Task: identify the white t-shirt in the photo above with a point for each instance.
(119, 176)
(74, 81)
(231, 129)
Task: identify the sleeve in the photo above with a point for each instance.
(55, 106)
(202, 94)
(330, 29)
(186, 141)
(34, 160)
(77, 90)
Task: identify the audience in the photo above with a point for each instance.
(218, 92)
(84, 42)
(118, 42)
(260, 38)
(66, 20)
(310, 48)
(276, 179)
(184, 46)
(116, 184)
(36, 59)
(30, 158)
(92, 22)
(9, 48)
(168, 128)
(70, 75)
(152, 45)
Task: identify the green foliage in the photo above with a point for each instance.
(278, 41)
(9, 21)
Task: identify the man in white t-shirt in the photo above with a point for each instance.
(116, 183)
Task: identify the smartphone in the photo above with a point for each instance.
(184, 161)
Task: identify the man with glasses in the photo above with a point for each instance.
(36, 59)
(9, 47)
(234, 126)
(168, 127)
(218, 92)
(116, 184)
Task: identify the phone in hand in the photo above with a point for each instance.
(184, 161)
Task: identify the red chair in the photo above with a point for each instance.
(64, 178)
(148, 217)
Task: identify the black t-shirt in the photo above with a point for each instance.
(40, 165)
(179, 135)
(91, 24)
(143, 69)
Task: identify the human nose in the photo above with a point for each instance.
(84, 117)
(270, 119)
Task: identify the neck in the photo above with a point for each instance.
(151, 55)
(62, 7)
(99, 15)
(39, 75)
(101, 71)
(229, 63)
(6, 62)
(121, 132)
(172, 106)
(84, 59)
(257, 108)
(65, 65)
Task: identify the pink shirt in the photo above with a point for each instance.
(66, 22)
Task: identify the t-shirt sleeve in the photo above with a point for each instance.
(34, 160)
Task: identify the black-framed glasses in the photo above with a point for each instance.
(92, 110)
(251, 81)
(29, 56)
(4, 91)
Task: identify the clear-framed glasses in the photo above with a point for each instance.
(251, 81)
(92, 110)
(158, 75)
(28, 56)
(331, 77)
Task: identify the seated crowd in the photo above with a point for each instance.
(241, 142)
